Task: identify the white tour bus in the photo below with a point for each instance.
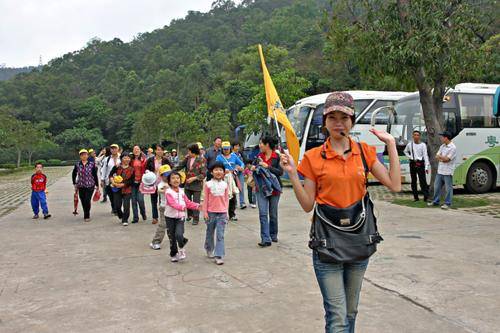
(306, 117)
(471, 116)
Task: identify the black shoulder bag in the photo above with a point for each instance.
(345, 235)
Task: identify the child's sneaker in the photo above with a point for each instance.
(47, 216)
(174, 258)
(219, 261)
(182, 254)
(35, 216)
(210, 254)
(125, 224)
(445, 207)
(155, 246)
(253, 205)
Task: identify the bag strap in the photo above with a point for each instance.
(365, 165)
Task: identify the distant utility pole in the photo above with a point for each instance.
(40, 64)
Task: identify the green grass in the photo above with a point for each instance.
(457, 202)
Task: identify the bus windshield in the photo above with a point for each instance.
(298, 117)
(408, 118)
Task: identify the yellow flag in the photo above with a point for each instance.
(276, 111)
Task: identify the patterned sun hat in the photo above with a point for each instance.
(339, 101)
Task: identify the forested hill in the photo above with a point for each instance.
(9, 72)
(187, 81)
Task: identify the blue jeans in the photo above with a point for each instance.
(138, 200)
(216, 224)
(340, 286)
(447, 180)
(268, 216)
(241, 178)
(38, 199)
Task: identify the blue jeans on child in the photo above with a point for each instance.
(447, 180)
(340, 286)
(38, 199)
(216, 224)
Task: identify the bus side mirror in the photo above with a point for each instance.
(392, 116)
(496, 102)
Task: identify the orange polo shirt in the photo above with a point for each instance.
(339, 183)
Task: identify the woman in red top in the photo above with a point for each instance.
(124, 189)
(139, 164)
(268, 205)
(334, 175)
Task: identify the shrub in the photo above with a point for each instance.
(41, 161)
(7, 166)
(54, 162)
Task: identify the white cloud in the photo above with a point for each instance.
(51, 28)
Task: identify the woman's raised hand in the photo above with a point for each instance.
(288, 164)
(383, 136)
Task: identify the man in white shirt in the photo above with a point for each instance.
(446, 156)
(416, 152)
(107, 164)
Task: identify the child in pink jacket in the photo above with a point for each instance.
(215, 207)
(176, 204)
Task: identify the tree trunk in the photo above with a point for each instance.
(18, 157)
(30, 154)
(432, 109)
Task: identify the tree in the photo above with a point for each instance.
(431, 44)
(77, 138)
(152, 123)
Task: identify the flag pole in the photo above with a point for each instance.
(277, 130)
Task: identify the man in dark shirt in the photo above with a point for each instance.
(211, 155)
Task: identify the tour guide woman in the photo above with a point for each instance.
(334, 176)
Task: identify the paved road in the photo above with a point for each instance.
(16, 187)
(436, 271)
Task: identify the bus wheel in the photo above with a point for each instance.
(479, 178)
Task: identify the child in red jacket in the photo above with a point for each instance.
(38, 192)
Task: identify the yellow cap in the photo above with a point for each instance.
(164, 168)
(150, 149)
(226, 144)
(91, 150)
(114, 145)
(200, 145)
(173, 150)
(83, 151)
(183, 176)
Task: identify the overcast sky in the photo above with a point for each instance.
(51, 28)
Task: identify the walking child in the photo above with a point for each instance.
(250, 182)
(215, 211)
(38, 192)
(162, 187)
(176, 204)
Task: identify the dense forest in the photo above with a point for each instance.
(9, 72)
(197, 77)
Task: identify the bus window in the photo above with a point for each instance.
(450, 122)
(298, 117)
(361, 104)
(381, 117)
(476, 110)
(315, 137)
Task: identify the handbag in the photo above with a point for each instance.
(345, 235)
(97, 196)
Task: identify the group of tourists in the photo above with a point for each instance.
(212, 181)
